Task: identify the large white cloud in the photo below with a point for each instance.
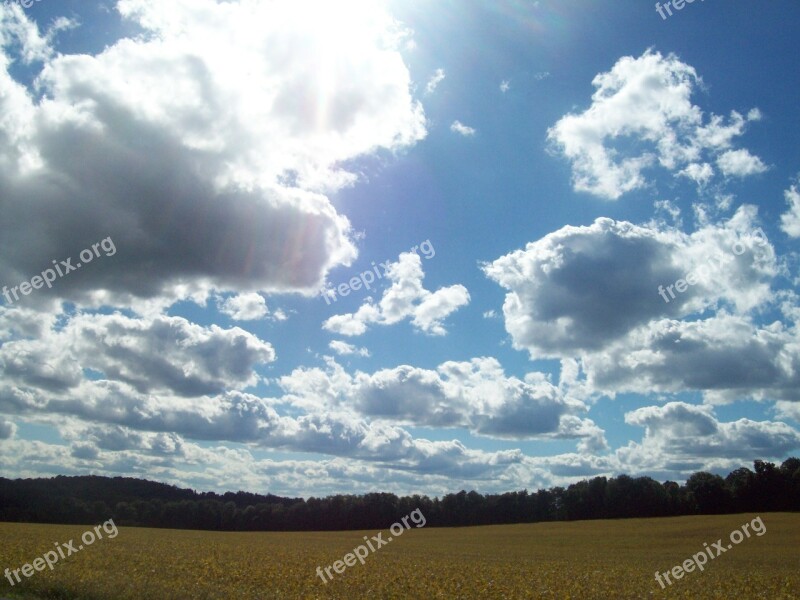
(163, 354)
(686, 438)
(646, 103)
(200, 147)
(477, 395)
(244, 418)
(726, 357)
(581, 288)
(649, 309)
(173, 459)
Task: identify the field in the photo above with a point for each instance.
(588, 559)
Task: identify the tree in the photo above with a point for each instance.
(708, 493)
(741, 483)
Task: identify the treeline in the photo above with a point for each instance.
(136, 502)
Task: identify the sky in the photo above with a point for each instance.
(411, 246)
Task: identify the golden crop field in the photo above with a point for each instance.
(587, 559)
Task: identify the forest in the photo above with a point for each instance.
(138, 502)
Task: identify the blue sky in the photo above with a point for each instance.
(604, 203)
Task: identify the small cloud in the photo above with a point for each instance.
(434, 81)
(460, 128)
(700, 173)
(790, 220)
(490, 314)
(245, 307)
(505, 85)
(754, 115)
(541, 75)
(406, 298)
(740, 163)
(343, 349)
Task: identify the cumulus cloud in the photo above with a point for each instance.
(685, 437)
(461, 129)
(727, 357)
(477, 395)
(580, 288)
(162, 354)
(244, 418)
(126, 391)
(700, 173)
(646, 102)
(740, 163)
(174, 459)
(207, 174)
(406, 298)
(245, 307)
(790, 220)
(649, 309)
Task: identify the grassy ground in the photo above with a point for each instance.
(588, 559)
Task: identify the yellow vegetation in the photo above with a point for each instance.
(588, 559)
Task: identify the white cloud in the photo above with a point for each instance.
(580, 288)
(172, 459)
(647, 100)
(245, 307)
(244, 418)
(405, 298)
(461, 129)
(727, 358)
(199, 146)
(345, 349)
(159, 355)
(740, 163)
(790, 220)
(700, 173)
(476, 394)
(505, 85)
(596, 295)
(434, 81)
(680, 435)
